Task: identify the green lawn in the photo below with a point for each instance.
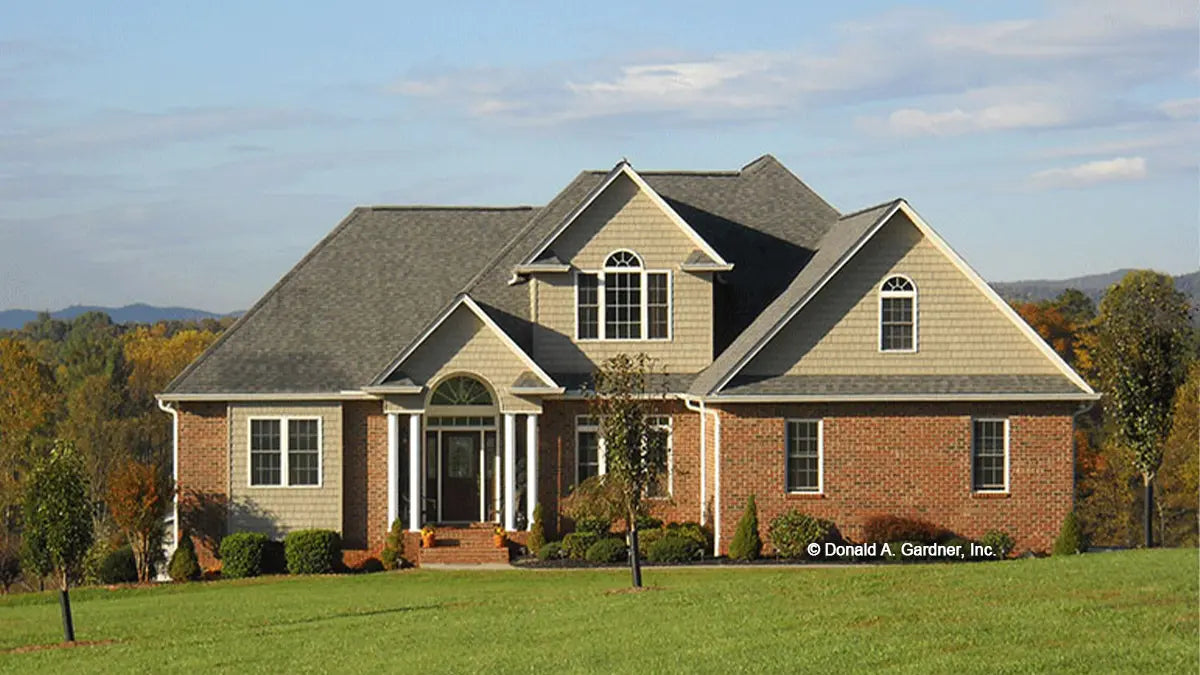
(1130, 611)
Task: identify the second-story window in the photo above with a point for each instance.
(622, 301)
(898, 315)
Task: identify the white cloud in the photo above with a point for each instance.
(913, 122)
(1090, 173)
(1181, 109)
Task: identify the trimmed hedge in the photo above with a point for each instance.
(551, 550)
(312, 551)
(897, 528)
(184, 564)
(118, 567)
(607, 550)
(792, 531)
(576, 544)
(242, 554)
(747, 544)
(674, 548)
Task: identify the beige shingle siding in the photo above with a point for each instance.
(959, 330)
(278, 510)
(464, 344)
(623, 218)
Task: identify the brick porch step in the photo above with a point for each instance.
(470, 544)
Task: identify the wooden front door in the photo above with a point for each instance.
(460, 476)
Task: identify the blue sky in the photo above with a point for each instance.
(190, 155)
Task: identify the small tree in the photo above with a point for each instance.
(138, 498)
(635, 453)
(184, 565)
(747, 544)
(537, 532)
(392, 555)
(58, 523)
(1071, 539)
(1144, 332)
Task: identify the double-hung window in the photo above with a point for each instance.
(622, 301)
(989, 455)
(589, 452)
(898, 315)
(805, 456)
(285, 451)
(589, 460)
(659, 427)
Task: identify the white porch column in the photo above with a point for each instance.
(531, 469)
(414, 473)
(510, 471)
(393, 469)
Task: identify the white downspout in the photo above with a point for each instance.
(703, 454)
(166, 407)
(702, 409)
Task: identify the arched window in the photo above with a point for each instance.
(622, 301)
(898, 315)
(461, 390)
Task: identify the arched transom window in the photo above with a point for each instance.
(898, 315)
(622, 301)
(461, 390)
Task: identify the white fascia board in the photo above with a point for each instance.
(394, 389)
(465, 300)
(542, 269)
(706, 267)
(624, 169)
(812, 292)
(995, 298)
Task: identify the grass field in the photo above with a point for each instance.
(1129, 611)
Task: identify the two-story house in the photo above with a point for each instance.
(427, 365)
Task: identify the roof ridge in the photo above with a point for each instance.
(241, 320)
(769, 159)
(890, 202)
(445, 207)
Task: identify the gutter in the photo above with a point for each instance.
(174, 413)
(702, 409)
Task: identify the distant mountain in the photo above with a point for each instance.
(139, 313)
(1094, 285)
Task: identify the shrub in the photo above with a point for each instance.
(963, 544)
(242, 554)
(119, 567)
(95, 558)
(10, 566)
(673, 548)
(747, 544)
(537, 531)
(551, 550)
(607, 550)
(596, 497)
(595, 525)
(274, 560)
(896, 528)
(392, 556)
(312, 551)
(184, 564)
(646, 538)
(1070, 538)
(694, 531)
(1001, 543)
(791, 533)
(648, 523)
(576, 544)
(896, 550)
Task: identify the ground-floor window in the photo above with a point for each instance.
(280, 458)
(589, 452)
(804, 455)
(989, 455)
(660, 425)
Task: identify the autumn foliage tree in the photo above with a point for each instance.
(138, 498)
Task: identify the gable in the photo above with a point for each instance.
(464, 343)
(960, 330)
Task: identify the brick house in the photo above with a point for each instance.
(428, 365)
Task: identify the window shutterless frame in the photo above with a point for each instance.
(636, 268)
(975, 428)
(284, 476)
(588, 424)
(897, 287)
(665, 423)
(787, 448)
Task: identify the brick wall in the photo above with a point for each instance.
(204, 474)
(907, 460)
(365, 490)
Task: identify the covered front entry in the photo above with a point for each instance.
(464, 478)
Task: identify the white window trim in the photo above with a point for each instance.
(601, 454)
(820, 490)
(1007, 456)
(879, 314)
(283, 449)
(645, 306)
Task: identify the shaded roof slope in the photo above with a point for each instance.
(359, 297)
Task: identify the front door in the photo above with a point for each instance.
(460, 476)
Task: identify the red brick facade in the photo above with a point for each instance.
(203, 474)
(895, 459)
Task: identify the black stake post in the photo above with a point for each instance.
(634, 561)
(64, 601)
(1149, 514)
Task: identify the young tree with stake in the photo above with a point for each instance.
(635, 453)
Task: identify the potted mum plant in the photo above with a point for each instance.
(428, 537)
(498, 536)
